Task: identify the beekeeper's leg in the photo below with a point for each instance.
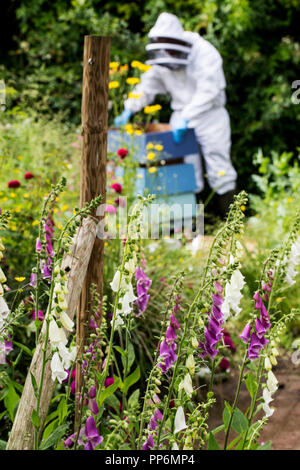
(213, 134)
(194, 159)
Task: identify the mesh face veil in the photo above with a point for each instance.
(169, 52)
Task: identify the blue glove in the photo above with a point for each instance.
(179, 127)
(123, 118)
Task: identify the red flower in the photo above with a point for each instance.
(14, 184)
(122, 153)
(28, 175)
(117, 187)
(224, 364)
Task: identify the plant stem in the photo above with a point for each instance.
(235, 399)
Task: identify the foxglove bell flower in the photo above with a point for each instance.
(213, 332)
(57, 369)
(92, 436)
(149, 444)
(179, 422)
(292, 262)
(186, 385)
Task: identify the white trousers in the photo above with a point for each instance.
(212, 131)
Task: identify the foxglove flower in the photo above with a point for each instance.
(149, 444)
(57, 369)
(179, 422)
(92, 436)
(186, 385)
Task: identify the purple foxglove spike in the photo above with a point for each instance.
(91, 431)
(218, 288)
(260, 330)
(265, 322)
(158, 414)
(259, 303)
(217, 314)
(46, 272)
(263, 341)
(164, 349)
(210, 341)
(246, 333)
(174, 322)
(153, 424)
(256, 295)
(92, 392)
(92, 404)
(49, 248)
(70, 440)
(38, 246)
(214, 329)
(176, 308)
(217, 300)
(33, 279)
(170, 334)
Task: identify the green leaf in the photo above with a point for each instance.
(23, 347)
(265, 446)
(134, 399)
(239, 422)
(120, 350)
(218, 429)
(34, 384)
(113, 402)
(11, 400)
(62, 410)
(131, 379)
(226, 417)
(2, 445)
(130, 355)
(234, 442)
(251, 384)
(36, 420)
(54, 437)
(50, 428)
(212, 443)
(107, 392)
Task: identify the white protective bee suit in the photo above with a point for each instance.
(198, 95)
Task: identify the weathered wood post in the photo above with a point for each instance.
(21, 435)
(93, 164)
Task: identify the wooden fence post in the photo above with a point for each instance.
(93, 166)
(21, 435)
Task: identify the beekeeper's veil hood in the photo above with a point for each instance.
(167, 46)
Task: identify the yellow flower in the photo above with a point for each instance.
(114, 65)
(135, 96)
(149, 146)
(152, 109)
(124, 68)
(159, 147)
(151, 156)
(4, 199)
(152, 169)
(26, 195)
(113, 84)
(20, 279)
(19, 157)
(18, 209)
(35, 222)
(59, 225)
(132, 80)
(138, 132)
(243, 208)
(139, 65)
(64, 207)
(13, 194)
(290, 199)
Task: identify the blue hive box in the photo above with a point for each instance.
(117, 139)
(172, 183)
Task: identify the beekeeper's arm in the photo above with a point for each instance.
(145, 92)
(210, 82)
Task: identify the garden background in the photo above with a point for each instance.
(41, 52)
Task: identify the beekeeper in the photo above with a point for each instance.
(189, 68)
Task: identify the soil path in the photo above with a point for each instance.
(283, 428)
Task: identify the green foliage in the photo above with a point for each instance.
(259, 43)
